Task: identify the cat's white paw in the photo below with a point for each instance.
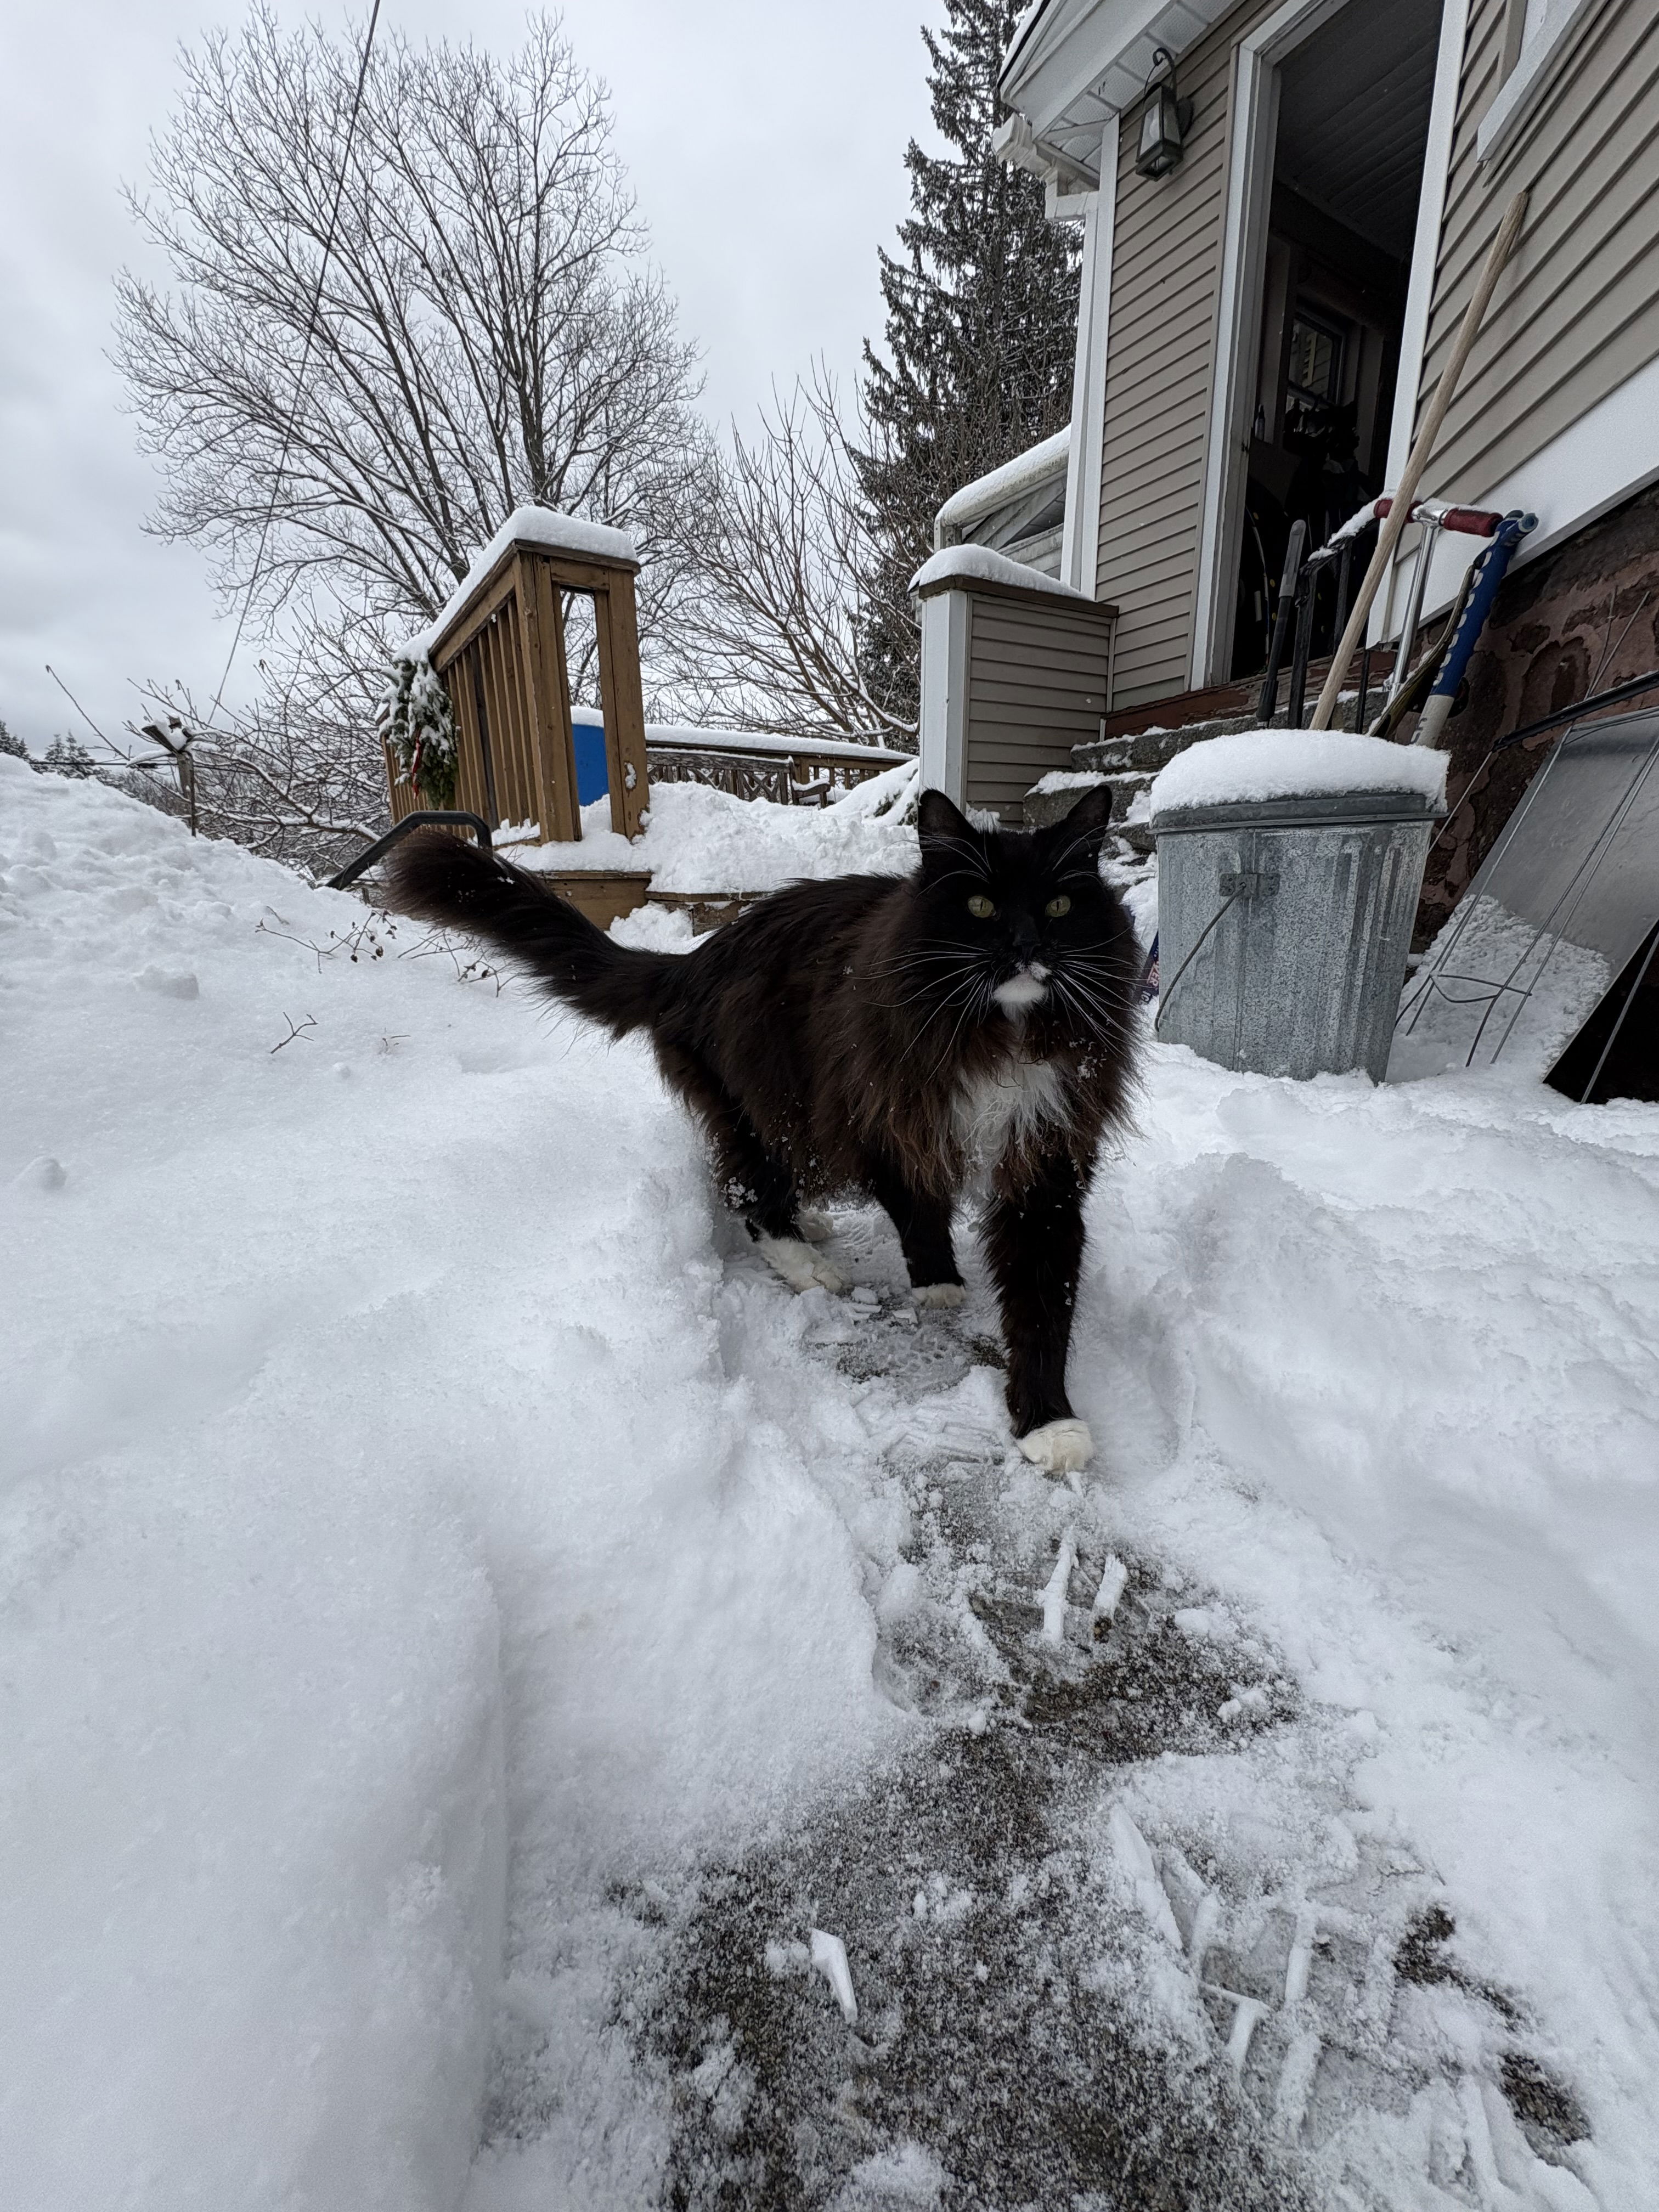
(800, 1265)
(1059, 1446)
(816, 1228)
(939, 1294)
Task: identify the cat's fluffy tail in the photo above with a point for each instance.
(438, 878)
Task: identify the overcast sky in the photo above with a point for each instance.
(764, 138)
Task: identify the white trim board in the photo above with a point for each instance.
(1603, 458)
(945, 693)
(1426, 246)
(1080, 559)
(1503, 127)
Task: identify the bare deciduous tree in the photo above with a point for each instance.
(486, 335)
(770, 635)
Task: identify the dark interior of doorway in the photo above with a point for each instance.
(1353, 122)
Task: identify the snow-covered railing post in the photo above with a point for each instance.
(498, 649)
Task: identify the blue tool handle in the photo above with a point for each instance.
(1494, 562)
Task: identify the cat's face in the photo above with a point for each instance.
(1019, 921)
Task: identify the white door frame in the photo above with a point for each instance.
(1254, 130)
(1420, 292)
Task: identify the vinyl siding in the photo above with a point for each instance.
(1577, 312)
(1160, 356)
(1038, 685)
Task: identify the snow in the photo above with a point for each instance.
(372, 1403)
(692, 735)
(978, 564)
(1495, 990)
(999, 487)
(527, 525)
(1258, 764)
(1068, 779)
(1361, 518)
(698, 839)
(427, 1525)
(1390, 1362)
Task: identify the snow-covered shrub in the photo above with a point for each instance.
(417, 724)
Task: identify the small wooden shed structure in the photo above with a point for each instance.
(1016, 670)
(499, 648)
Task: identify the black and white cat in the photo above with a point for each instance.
(904, 1037)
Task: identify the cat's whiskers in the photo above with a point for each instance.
(982, 999)
(968, 986)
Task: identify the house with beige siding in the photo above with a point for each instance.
(1267, 304)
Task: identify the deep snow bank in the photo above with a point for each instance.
(1384, 1363)
(367, 1401)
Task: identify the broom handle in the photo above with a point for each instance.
(1404, 498)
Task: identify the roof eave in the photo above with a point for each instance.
(1078, 63)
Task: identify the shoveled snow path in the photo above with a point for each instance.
(1126, 1917)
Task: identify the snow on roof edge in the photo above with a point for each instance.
(1026, 470)
(978, 564)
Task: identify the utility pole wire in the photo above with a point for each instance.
(305, 361)
(78, 707)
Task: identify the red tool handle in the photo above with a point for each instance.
(1472, 521)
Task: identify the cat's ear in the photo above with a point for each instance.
(1079, 836)
(942, 827)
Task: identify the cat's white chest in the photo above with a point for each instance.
(991, 1112)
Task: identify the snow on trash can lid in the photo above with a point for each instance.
(1254, 765)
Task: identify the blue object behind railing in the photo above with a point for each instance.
(593, 777)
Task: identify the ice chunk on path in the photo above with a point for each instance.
(1053, 1596)
(829, 1957)
(907, 2171)
(1134, 1856)
(1114, 1576)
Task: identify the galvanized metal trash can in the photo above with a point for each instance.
(1284, 926)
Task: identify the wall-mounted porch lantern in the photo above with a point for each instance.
(1165, 121)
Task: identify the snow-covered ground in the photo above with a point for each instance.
(699, 839)
(457, 1609)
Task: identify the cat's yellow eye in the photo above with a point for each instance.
(980, 907)
(1056, 906)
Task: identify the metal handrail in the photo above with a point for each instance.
(1613, 697)
(422, 818)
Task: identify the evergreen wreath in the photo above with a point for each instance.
(418, 725)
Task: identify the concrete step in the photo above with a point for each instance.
(1129, 763)
(1151, 750)
(1042, 809)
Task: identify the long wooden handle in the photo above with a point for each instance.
(1406, 494)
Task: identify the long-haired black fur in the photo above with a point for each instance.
(901, 1037)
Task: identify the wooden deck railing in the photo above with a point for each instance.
(792, 774)
(501, 656)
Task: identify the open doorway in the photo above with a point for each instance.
(1346, 170)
